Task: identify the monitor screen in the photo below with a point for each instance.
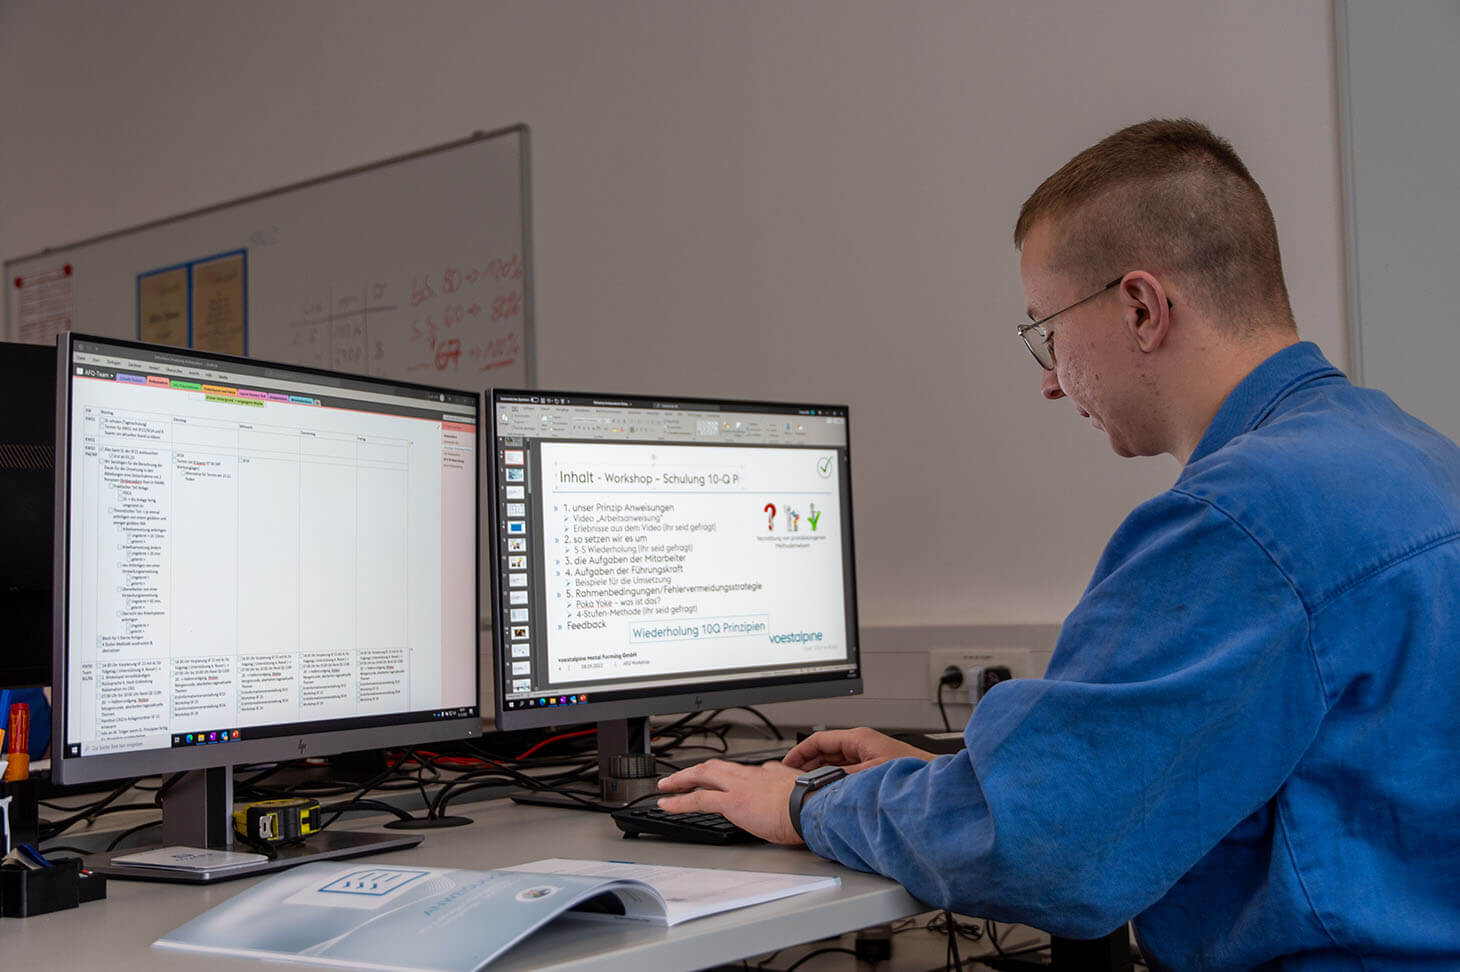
(257, 561)
(666, 555)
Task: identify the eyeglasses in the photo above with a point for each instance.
(1042, 347)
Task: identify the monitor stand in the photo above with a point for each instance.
(626, 771)
(198, 812)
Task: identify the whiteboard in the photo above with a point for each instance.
(417, 267)
(1400, 100)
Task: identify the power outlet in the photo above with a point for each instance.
(1020, 662)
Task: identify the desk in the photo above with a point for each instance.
(116, 934)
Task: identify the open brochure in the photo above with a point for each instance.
(426, 919)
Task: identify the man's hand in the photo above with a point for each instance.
(755, 798)
(852, 749)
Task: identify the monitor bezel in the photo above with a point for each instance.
(87, 769)
(750, 691)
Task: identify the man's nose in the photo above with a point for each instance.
(1049, 386)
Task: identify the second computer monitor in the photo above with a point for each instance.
(664, 555)
(257, 561)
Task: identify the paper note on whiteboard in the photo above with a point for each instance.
(201, 304)
(218, 304)
(46, 304)
(162, 307)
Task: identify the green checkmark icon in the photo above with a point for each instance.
(824, 466)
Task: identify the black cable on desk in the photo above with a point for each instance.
(371, 805)
(371, 783)
(993, 932)
(722, 750)
(483, 779)
(59, 827)
(497, 771)
(119, 838)
(761, 716)
(811, 955)
(581, 760)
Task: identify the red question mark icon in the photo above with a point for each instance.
(770, 509)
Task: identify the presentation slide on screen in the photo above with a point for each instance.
(662, 559)
(240, 563)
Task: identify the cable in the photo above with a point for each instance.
(476, 780)
(940, 923)
(87, 813)
(721, 750)
(117, 841)
(759, 715)
(482, 781)
(952, 677)
(993, 933)
(437, 760)
(373, 782)
(954, 960)
(553, 739)
(381, 805)
(541, 762)
(820, 951)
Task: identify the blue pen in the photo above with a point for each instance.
(4, 712)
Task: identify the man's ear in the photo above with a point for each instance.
(1147, 309)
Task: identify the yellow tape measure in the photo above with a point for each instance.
(277, 821)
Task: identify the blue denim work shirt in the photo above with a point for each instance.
(1248, 738)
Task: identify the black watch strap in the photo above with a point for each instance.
(806, 784)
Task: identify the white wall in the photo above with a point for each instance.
(1402, 134)
(772, 199)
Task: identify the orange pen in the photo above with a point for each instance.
(19, 743)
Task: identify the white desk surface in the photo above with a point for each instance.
(116, 934)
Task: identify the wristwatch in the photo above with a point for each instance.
(808, 783)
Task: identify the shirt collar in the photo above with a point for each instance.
(1251, 401)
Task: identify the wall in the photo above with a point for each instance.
(1401, 128)
(763, 199)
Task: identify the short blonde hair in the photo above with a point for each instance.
(1166, 196)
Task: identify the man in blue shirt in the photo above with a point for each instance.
(1248, 739)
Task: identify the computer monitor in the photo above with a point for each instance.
(27, 497)
(256, 562)
(665, 555)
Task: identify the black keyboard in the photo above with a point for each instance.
(694, 828)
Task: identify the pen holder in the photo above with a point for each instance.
(25, 892)
(24, 812)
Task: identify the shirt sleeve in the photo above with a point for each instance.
(1181, 693)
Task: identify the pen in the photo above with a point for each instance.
(18, 768)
